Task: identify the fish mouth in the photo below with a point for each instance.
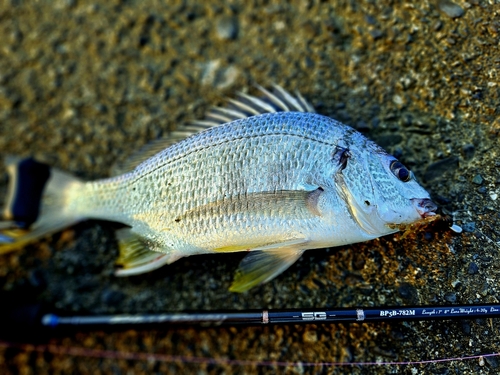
(424, 206)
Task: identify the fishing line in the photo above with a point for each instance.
(167, 358)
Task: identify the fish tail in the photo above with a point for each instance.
(36, 204)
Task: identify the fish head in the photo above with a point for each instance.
(380, 192)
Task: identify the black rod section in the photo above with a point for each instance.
(296, 316)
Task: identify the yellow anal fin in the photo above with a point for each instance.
(233, 249)
(138, 255)
(259, 246)
(261, 266)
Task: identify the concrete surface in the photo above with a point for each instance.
(83, 84)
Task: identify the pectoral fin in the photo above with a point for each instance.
(139, 255)
(261, 266)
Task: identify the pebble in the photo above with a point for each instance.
(441, 200)
(397, 99)
(478, 179)
(442, 371)
(307, 63)
(438, 168)
(112, 297)
(218, 76)
(466, 327)
(366, 290)
(227, 28)
(469, 227)
(484, 290)
(468, 151)
(481, 361)
(376, 34)
(310, 337)
(481, 322)
(456, 284)
(492, 361)
(398, 335)
(473, 269)
(406, 291)
(451, 9)
(450, 297)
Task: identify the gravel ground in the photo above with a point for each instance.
(83, 84)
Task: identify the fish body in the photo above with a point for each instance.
(246, 183)
(274, 184)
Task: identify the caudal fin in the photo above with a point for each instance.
(36, 203)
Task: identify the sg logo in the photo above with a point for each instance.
(314, 315)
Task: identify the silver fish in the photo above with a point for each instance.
(267, 176)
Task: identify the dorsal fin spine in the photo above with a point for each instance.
(245, 106)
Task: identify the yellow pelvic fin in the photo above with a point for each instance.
(138, 255)
(261, 266)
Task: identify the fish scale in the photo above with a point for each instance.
(261, 142)
(274, 184)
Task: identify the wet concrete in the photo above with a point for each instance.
(83, 84)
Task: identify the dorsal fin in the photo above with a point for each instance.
(279, 100)
(155, 146)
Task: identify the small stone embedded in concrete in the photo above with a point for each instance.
(492, 361)
(451, 9)
(450, 297)
(469, 227)
(473, 269)
(438, 168)
(468, 151)
(227, 28)
(478, 179)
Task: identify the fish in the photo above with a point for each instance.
(265, 175)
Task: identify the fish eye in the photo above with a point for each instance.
(400, 171)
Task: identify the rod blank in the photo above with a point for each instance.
(296, 316)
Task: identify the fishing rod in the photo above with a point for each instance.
(293, 316)
(34, 316)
